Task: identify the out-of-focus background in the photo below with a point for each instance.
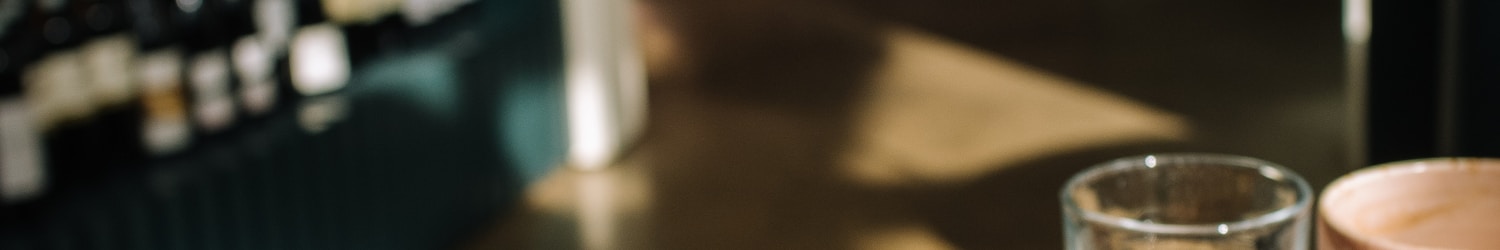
(646, 124)
(938, 124)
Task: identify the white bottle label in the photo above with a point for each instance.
(165, 129)
(21, 174)
(108, 61)
(56, 90)
(275, 20)
(213, 107)
(319, 60)
(252, 63)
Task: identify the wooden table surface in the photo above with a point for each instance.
(814, 125)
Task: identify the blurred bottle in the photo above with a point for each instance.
(605, 81)
(70, 105)
(207, 66)
(68, 112)
(106, 51)
(260, 29)
(22, 176)
(1420, 72)
(165, 126)
(54, 85)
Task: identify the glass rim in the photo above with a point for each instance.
(1301, 206)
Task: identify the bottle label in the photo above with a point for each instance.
(56, 91)
(165, 129)
(21, 174)
(253, 64)
(213, 107)
(319, 60)
(108, 62)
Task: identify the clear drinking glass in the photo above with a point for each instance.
(1186, 201)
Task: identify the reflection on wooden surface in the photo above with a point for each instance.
(795, 125)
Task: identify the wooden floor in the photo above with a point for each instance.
(935, 125)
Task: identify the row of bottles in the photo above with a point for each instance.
(90, 86)
(272, 186)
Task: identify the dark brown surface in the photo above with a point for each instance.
(1258, 78)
